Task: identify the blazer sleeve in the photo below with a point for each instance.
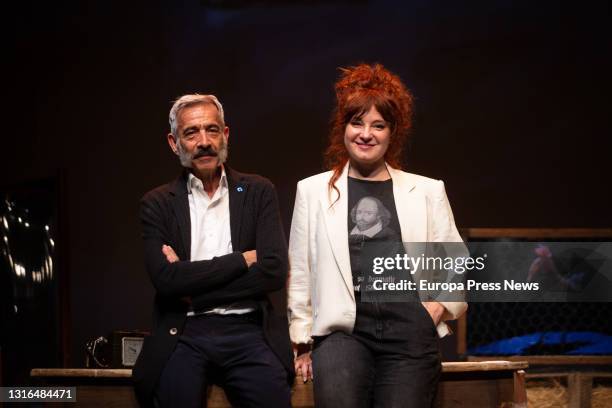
(298, 290)
(446, 231)
(182, 278)
(269, 273)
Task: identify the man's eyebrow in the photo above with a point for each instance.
(189, 128)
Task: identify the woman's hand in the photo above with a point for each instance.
(303, 366)
(435, 310)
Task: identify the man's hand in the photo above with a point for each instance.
(171, 257)
(170, 254)
(303, 366)
(250, 257)
(435, 310)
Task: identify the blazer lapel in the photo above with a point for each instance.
(237, 194)
(180, 207)
(336, 215)
(411, 206)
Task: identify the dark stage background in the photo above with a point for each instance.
(513, 112)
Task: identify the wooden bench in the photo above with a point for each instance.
(463, 384)
(577, 371)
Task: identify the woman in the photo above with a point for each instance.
(365, 353)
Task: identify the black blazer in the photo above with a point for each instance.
(255, 224)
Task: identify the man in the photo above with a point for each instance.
(214, 249)
(371, 219)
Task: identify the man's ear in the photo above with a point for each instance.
(226, 133)
(172, 143)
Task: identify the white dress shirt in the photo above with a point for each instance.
(210, 230)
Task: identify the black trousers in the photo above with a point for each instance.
(391, 359)
(227, 350)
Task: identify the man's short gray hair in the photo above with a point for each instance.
(190, 100)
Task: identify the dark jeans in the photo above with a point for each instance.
(390, 360)
(227, 350)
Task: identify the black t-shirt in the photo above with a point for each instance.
(372, 219)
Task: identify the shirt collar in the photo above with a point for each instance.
(370, 232)
(193, 181)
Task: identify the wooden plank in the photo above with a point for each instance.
(96, 396)
(463, 384)
(561, 374)
(82, 372)
(106, 396)
(550, 360)
(520, 390)
(215, 398)
(453, 367)
(466, 393)
(474, 393)
(449, 367)
(534, 233)
(302, 395)
(579, 390)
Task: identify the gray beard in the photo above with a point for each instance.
(186, 158)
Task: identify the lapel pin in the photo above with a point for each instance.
(239, 189)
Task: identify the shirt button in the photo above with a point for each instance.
(173, 331)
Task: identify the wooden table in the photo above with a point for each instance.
(463, 384)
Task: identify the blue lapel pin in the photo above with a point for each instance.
(239, 189)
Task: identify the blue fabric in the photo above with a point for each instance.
(585, 343)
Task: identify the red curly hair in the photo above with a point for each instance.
(357, 90)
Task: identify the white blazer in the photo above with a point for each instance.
(321, 296)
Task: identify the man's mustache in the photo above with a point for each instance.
(209, 151)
